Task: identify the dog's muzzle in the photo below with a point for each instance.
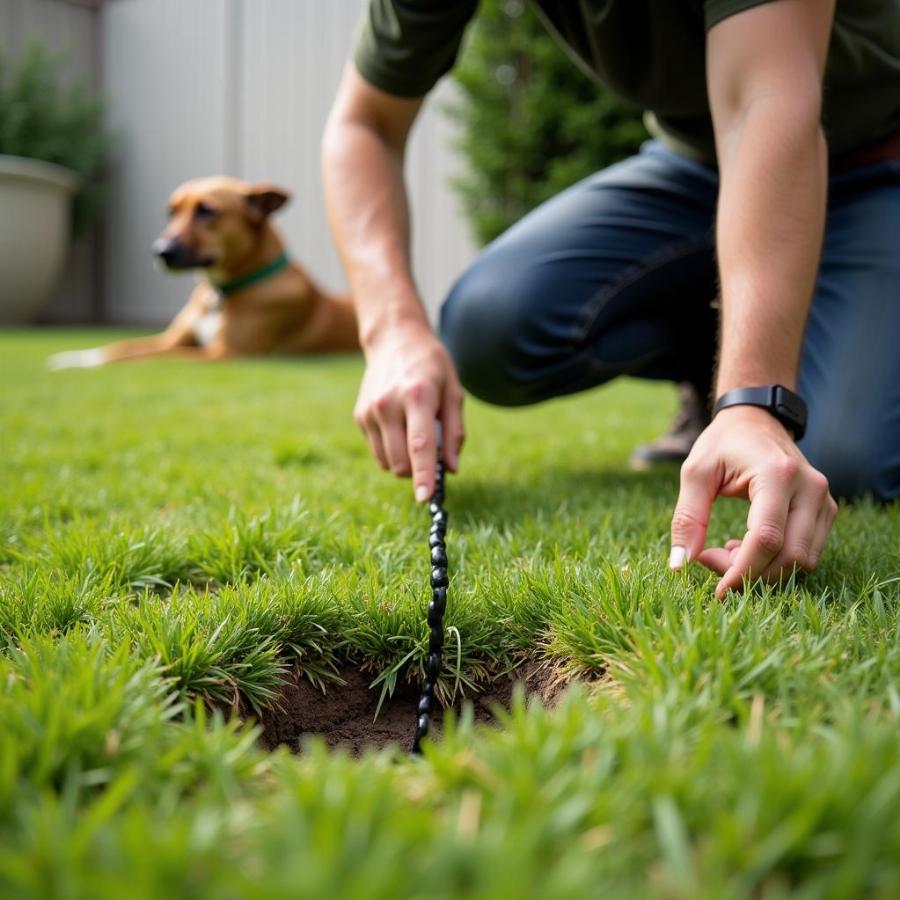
(175, 255)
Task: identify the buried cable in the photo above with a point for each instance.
(436, 608)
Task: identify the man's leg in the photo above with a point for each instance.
(850, 368)
(613, 276)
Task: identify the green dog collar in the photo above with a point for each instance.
(227, 288)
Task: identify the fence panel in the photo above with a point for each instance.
(164, 69)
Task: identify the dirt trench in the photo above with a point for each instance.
(344, 714)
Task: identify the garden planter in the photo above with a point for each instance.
(35, 213)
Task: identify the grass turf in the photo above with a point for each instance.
(172, 534)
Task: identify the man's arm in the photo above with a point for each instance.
(764, 71)
(410, 380)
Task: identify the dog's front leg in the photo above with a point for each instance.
(134, 348)
(210, 353)
(179, 335)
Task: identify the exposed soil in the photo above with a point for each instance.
(345, 714)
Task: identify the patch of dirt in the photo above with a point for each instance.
(345, 714)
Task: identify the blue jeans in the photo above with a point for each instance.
(616, 276)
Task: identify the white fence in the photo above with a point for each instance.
(242, 87)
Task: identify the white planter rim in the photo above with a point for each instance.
(38, 170)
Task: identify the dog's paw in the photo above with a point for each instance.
(76, 359)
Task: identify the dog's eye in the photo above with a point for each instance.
(204, 212)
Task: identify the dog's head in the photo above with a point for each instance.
(215, 222)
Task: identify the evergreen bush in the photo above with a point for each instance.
(532, 121)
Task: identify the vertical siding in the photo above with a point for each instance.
(59, 25)
(71, 30)
(164, 69)
(442, 246)
(293, 54)
(243, 87)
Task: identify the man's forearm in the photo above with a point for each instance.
(764, 69)
(368, 213)
(770, 224)
(409, 381)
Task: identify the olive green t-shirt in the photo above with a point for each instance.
(652, 53)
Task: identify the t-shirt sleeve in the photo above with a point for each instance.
(404, 46)
(714, 11)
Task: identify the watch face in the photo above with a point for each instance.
(790, 408)
(789, 404)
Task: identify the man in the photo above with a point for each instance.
(616, 274)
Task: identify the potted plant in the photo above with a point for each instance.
(52, 148)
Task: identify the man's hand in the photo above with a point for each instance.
(764, 78)
(410, 382)
(746, 452)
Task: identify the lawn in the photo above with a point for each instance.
(177, 542)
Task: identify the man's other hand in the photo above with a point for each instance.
(746, 452)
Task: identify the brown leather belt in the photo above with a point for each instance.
(884, 149)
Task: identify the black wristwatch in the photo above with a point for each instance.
(785, 405)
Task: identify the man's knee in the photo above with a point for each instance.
(480, 323)
(856, 462)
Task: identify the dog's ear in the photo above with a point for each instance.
(264, 199)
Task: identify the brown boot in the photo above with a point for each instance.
(673, 447)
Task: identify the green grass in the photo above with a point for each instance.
(174, 534)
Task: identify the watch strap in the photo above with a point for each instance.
(788, 407)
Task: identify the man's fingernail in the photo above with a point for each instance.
(677, 558)
(421, 493)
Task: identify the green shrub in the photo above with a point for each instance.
(532, 121)
(40, 118)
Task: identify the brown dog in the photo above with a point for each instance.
(251, 301)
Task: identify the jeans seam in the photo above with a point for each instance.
(630, 276)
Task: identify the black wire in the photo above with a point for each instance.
(438, 551)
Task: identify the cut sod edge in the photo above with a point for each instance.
(344, 713)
